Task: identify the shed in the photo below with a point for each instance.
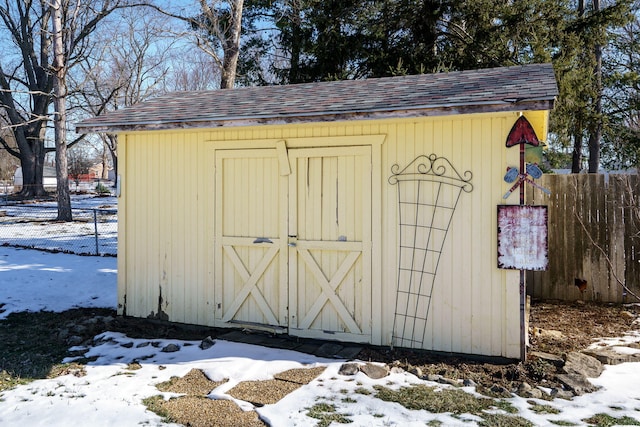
(359, 211)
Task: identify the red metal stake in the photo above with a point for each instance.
(523, 296)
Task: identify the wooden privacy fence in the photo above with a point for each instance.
(594, 235)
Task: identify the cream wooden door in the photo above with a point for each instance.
(251, 244)
(329, 237)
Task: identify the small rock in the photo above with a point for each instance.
(524, 387)
(374, 371)
(449, 381)
(348, 369)
(63, 334)
(561, 393)
(469, 383)
(548, 333)
(608, 356)
(171, 348)
(75, 340)
(127, 344)
(582, 364)
(500, 391)
(534, 393)
(79, 329)
(547, 357)
(434, 377)
(328, 350)
(143, 344)
(207, 343)
(627, 314)
(396, 370)
(415, 370)
(526, 391)
(577, 383)
(396, 363)
(349, 352)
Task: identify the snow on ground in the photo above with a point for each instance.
(34, 225)
(32, 280)
(110, 394)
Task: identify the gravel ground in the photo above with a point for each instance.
(195, 383)
(195, 409)
(199, 411)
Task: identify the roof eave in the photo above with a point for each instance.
(529, 104)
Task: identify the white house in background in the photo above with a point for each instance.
(48, 180)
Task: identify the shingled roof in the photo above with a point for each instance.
(528, 87)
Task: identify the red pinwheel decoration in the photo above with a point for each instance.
(522, 133)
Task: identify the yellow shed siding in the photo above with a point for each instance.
(168, 215)
(165, 256)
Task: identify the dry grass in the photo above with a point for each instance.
(435, 400)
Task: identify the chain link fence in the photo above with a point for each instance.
(92, 231)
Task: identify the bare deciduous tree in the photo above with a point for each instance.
(25, 86)
(132, 65)
(217, 28)
(73, 24)
(60, 69)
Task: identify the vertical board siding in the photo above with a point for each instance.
(593, 235)
(475, 306)
(166, 231)
(170, 218)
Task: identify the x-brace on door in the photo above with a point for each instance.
(293, 249)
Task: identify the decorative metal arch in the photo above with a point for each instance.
(425, 219)
(431, 168)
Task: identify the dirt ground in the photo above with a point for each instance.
(555, 327)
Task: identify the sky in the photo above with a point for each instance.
(31, 280)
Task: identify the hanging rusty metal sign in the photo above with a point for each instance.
(522, 237)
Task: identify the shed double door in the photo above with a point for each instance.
(293, 241)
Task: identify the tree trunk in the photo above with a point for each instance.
(296, 43)
(105, 164)
(32, 155)
(596, 132)
(576, 155)
(59, 102)
(232, 46)
(113, 149)
(32, 164)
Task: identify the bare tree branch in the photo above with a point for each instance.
(601, 249)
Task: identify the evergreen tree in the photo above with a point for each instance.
(621, 139)
(320, 40)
